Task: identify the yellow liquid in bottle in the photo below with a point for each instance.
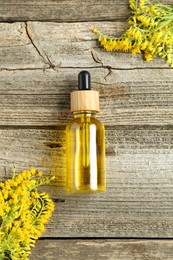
(85, 144)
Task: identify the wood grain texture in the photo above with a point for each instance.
(39, 65)
(85, 100)
(52, 61)
(75, 45)
(64, 45)
(138, 201)
(34, 97)
(103, 250)
(65, 10)
(15, 45)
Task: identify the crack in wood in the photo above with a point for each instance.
(54, 67)
(96, 57)
(58, 200)
(46, 60)
(98, 60)
(19, 69)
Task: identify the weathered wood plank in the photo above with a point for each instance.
(40, 146)
(66, 10)
(42, 45)
(15, 48)
(36, 80)
(34, 97)
(138, 201)
(41, 109)
(75, 45)
(63, 81)
(103, 249)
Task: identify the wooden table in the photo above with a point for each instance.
(44, 44)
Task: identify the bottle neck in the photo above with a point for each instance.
(84, 114)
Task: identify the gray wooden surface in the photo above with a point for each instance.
(39, 65)
(104, 249)
(66, 10)
(138, 200)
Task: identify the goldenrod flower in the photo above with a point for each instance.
(23, 213)
(150, 32)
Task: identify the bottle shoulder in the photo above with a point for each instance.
(77, 123)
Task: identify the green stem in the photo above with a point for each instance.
(168, 17)
(136, 3)
(168, 8)
(40, 212)
(161, 25)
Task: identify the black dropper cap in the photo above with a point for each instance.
(82, 99)
(84, 80)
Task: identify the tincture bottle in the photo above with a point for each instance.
(85, 141)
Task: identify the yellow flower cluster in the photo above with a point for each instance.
(150, 32)
(23, 213)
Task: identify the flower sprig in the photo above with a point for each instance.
(23, 213)
(150, 32)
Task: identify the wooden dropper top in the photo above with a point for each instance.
(84, 99)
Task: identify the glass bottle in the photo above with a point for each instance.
(85, 141)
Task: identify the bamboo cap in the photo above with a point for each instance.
(84, 98)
